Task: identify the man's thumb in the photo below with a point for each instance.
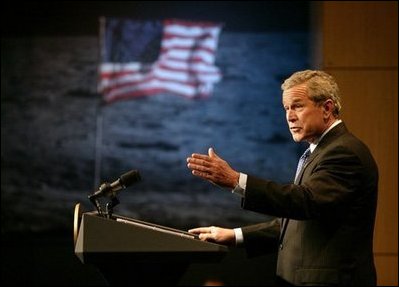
(211, 152)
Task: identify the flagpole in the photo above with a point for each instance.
(98, 147)
(99, 113)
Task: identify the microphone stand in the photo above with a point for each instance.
(104, 189)
(96, 203)
(109, 207)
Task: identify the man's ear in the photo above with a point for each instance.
(328, 107)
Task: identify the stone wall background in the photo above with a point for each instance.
(49, 113)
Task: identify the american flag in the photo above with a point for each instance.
(142, 58)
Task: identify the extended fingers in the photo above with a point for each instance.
(197, 161)
(200, 156)
(199, 230)
(204, 233)
(198, 164)
(199, 169)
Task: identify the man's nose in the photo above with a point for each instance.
(291, 116)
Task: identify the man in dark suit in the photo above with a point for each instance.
(324, 223)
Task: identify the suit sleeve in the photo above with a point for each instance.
(261, 238)
(330, 184)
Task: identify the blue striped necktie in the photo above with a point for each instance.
(302, 162)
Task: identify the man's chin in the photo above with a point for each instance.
(296, 138)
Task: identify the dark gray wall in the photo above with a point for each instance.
(49, 127)
(49, 113)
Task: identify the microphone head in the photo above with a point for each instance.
(129, 178)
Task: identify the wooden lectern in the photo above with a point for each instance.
(129, 251)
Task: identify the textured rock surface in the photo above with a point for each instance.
(49, 112)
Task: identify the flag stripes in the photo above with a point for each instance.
(184, 64)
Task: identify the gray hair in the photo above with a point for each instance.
(321, 87)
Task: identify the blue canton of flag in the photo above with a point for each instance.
(142, 58)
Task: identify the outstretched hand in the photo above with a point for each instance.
(213, 168)
(215, 234)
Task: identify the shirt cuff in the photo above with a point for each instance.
(239, 189)
(239, 236)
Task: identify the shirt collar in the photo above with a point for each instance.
(312, 146)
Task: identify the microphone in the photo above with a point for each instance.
(125, 180)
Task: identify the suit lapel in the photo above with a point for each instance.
(327, 139)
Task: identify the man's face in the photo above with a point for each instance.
(305, 119)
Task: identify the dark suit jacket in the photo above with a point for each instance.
(331, 211)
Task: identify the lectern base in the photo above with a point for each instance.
(144, 274)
